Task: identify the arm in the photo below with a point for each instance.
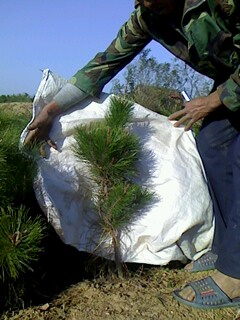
(227, 93)
(90, 80)
(131, 39)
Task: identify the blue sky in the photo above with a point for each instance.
(61, 35)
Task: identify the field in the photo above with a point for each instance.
(72, 289)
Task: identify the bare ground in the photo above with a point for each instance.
(145, 294)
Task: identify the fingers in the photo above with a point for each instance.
(181, 121)
(177, 114)
(44, 144)
(51, 143)
(33, 138)
(38, 133)
(41, 120)
(189, 125)
(31, 127)
(43, 149)
(34, 125)
(185, 119)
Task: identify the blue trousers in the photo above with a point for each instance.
(219, 146)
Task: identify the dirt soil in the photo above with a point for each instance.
(145, 294)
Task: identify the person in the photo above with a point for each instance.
(206, 35)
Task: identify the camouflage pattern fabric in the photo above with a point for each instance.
(208, 40)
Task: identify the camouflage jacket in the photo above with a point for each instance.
(208, 40)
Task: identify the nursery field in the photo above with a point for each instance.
(73, 286)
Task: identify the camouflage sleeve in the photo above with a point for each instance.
(130, 40)
(229, 91)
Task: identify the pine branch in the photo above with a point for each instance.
(121, 205)
(120, 113)
(109, 152)
(20, 239)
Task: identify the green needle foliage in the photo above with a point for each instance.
(21, 232)
(16, 169)
(119, 114)
(111, 151)
(121, 204)
(20, 239)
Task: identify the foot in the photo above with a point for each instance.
(204, 263)
(230, 286)
(188, 267)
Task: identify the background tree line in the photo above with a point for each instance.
(157, 86)
(21, 97)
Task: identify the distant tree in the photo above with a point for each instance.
(157, 86)
(21, 97)
(3, 98)
(147, 71)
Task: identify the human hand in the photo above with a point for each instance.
(40, 128)
(195, 110)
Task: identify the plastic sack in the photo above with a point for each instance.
(177, 226)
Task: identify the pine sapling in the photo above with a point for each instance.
(111, 151)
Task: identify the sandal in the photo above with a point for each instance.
(208, 295)
(204, 263)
